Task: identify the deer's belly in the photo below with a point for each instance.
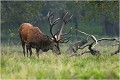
(45, 49)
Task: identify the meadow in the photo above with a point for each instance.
(50, 66)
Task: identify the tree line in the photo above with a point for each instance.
(103, 13)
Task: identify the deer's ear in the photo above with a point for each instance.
(52, 38)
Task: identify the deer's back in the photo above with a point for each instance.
(24, 30)
(35, 35)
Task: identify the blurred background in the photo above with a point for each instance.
(100, 18)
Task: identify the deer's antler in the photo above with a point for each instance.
(65, 21)
(50, 16)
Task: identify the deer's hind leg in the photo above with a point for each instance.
(23, 46)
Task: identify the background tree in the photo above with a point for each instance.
(94, 17)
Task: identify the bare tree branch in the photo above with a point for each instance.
(93, 51)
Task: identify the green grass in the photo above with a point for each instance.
(49, 66)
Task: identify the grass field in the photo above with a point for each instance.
(49, 66)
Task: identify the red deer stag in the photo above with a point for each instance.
(33, 37)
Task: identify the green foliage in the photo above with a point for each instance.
(93, 10)
(95, 30)
(13, 13)
(25, 12)
(11, 33)
(49, 66)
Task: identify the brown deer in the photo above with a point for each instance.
(33, 37)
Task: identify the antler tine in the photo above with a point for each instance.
(60, 33)
(68, 19)
(67, 32)
(65, 40)
(49, 14)
(55, 21)
(65, 15)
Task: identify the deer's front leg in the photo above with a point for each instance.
(38, 51)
